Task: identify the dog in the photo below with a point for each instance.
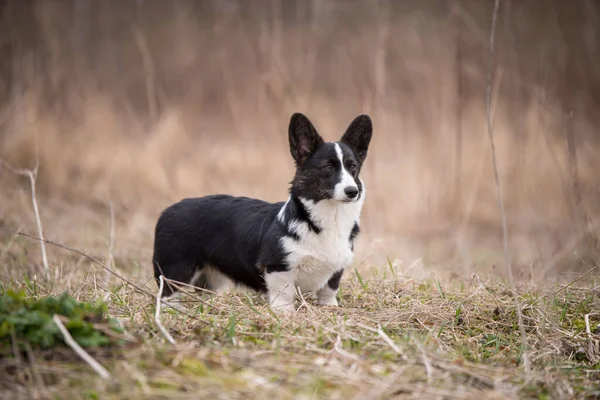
(304, 243)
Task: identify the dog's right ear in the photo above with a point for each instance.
(304, 139)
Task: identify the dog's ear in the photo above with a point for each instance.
(304, 139)
(358, 135)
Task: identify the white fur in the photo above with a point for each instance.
(346, 179)
(217, 281)
(195, 278)
(281, 290)
(314, 258)
(326, 296)
(281, 212)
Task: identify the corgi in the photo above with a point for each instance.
(304, 243)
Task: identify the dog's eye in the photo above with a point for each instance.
(351, 167)
(327, 167)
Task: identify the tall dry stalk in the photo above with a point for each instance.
(149, 73)
(32, 175)
(587, 232)
(110, 258)
(458, 144)
(488, 108)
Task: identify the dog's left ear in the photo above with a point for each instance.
(358, 135)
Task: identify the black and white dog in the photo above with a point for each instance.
(277, 248)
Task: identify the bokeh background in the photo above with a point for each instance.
(137, 104)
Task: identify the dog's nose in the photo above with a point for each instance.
(351, 191)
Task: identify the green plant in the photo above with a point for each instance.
(28, 320)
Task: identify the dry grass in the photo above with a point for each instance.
(392, 337)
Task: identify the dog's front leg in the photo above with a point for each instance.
(281, 290)
(326, 295)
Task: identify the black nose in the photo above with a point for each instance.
(351, 191)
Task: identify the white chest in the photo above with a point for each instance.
(314, 257)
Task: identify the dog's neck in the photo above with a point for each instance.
(332, 214)
(327, 215)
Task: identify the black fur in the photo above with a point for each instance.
(297, 210)
(303, 138)
(358, 136)
(316, 177)
(334, 281)
(232, 234)
(241, 237)
(353, 234)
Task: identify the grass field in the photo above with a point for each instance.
(392, 337)
(131, 106)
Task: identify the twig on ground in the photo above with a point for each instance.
(593, 346)
(488, 107)
(39, 380)
(195, 296)
(389, 341)
(110, 259)
(303, 302)
(100, 370)
(32, 175)
(337, 347)
(588, 330)
(163, 330)
(426, 362)
(179, 283)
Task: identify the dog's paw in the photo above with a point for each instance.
(332, 302)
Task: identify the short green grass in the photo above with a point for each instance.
(391, 337)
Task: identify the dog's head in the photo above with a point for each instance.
(329, 170)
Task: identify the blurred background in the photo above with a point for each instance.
(137, 104)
